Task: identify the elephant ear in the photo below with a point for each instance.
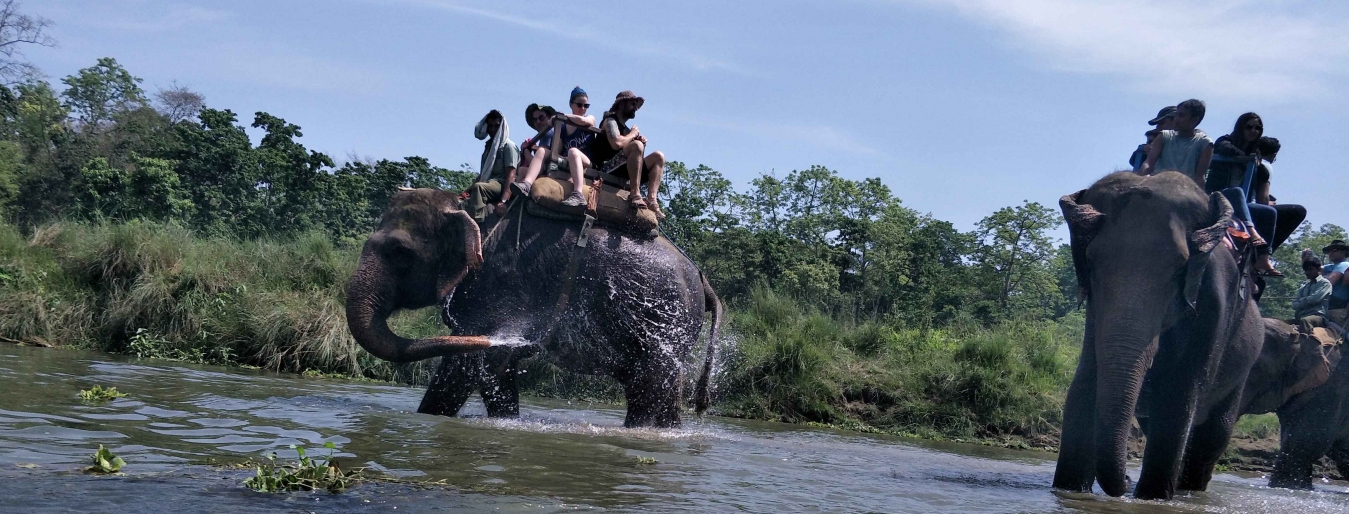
(461, 239)
(1202, 243)
(1084, 222)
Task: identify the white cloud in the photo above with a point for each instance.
(1233, 49)
(608, 41)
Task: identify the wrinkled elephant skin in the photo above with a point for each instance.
(632, 308)
(1166, 308)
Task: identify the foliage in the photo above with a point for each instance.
(105, 462)
(305, 474)
(99, 394)
(793, 363)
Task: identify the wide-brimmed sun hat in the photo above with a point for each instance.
(625, 96)
(529, 113)
(1337, 244)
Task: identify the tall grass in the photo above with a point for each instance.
(796, 364)
(158, 291)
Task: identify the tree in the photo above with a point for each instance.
(16, 31)
(1015, 252)
(179, 103)
(96, 93)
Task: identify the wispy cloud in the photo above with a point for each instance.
(825, 137)
(1235, 49)
(623, 45)
(172, 17)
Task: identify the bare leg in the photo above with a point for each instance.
(655, 169)
(536, 165)
(578, 162)
(634, 152)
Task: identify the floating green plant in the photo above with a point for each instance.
(305, 474)
(105, 463)
(99, 394)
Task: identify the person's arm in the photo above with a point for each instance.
(580, 121)
(510, 179)
(1321, 291)
(1336, 277)
(511, 159)
(617, 140)
(1201, 167)
(1154, 151)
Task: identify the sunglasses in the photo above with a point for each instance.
(1255, 127)
(581, 105)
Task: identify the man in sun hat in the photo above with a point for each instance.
(1334, 271)
(617, 140)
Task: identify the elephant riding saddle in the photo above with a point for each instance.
(607, 200)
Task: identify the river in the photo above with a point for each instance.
(181, 426)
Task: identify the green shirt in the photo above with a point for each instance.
(1312, 298)
(508, 157)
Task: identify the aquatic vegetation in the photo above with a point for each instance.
(105, 462)
(305, 474)
(646, 461)
(99, 394)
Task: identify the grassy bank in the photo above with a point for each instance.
(1006, 382)
(155, 290)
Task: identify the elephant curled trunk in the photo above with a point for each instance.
(399, 269)
(369, 305)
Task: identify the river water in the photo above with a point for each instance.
(182, 425)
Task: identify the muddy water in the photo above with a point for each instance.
(181, 424)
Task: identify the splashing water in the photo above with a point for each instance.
(508, 340)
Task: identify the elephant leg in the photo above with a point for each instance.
(1339, 454)
(653, 397)
(499, 392)
(450, 387)
(1207, 444)
(1076, 469)
(1302, 442)
(1169, 422)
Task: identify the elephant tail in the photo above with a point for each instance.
(704, 391)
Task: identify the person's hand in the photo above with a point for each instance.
(1307, 254)
(641, 138)
(635, 132)
(500, 209)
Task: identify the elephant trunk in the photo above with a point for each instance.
(1126, 342)
(370, 301)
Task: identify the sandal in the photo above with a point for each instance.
(655, 209)
(638, 203)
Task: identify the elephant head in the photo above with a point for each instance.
(1140, 247)
(423, 246)
(1290, 363)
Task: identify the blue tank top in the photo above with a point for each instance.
(579, 138)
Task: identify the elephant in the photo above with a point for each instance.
(1298, 377)
(1169, 307)
(594, 300)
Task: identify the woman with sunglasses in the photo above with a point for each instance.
(1240, 147)
(576, 136)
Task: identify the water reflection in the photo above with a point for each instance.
(557, 457)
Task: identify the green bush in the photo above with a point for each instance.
(795, 364)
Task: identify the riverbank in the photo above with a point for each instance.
(155, 290)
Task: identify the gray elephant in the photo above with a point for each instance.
(1299, 377)
(1167, 305)
(621, 304)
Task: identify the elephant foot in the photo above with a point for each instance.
(1283, 482)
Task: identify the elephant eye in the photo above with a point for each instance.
(398, 255)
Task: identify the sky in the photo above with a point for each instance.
(961, 107)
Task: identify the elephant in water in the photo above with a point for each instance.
(1299, 377)
(1167, 305)
(625, 305)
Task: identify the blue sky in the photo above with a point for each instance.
(960, 106)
